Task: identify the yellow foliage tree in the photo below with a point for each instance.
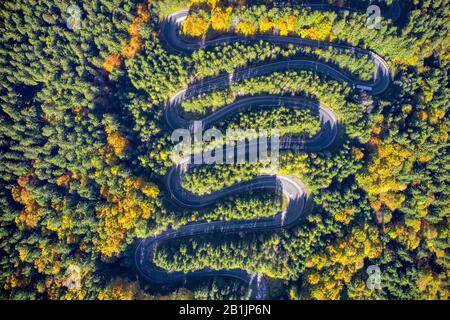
(265, 26)
(359, 155)
(116, 141)
(282, 27)
(295, 164)
(404, 235)
(380, 181)
(195, 26)
(328, 271)
(31, 213)
(211, 3)
(122, 289)
(221, 19)
(436, 115)
(345, 215)
(433, 286)
(245, 29)
(112, 61)
(320, 29)
(130, 48)
(122, 213)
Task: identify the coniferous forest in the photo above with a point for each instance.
(85, 149)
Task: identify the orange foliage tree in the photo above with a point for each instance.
(116, 141)
(112, 61)
(31, 212)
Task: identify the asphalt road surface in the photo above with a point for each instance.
(292, 189)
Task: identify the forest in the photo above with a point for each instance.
(85, 150)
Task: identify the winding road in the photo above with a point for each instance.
(292, 189)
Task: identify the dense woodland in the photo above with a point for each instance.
(84, 149)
